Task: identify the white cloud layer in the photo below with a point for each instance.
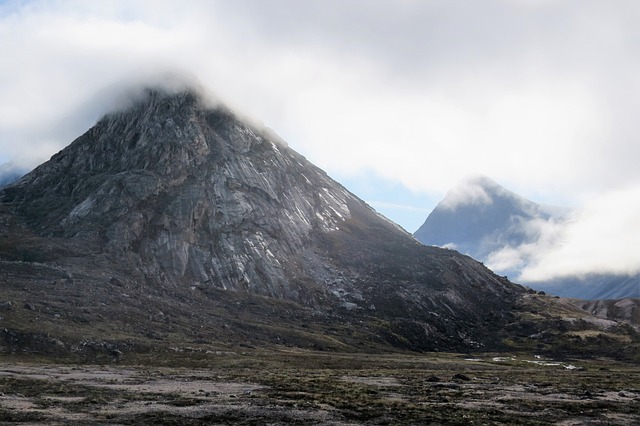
(470, 192)
(603, 239)
(539, 95)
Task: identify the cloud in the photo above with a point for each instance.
(539, 95)
(422, 92)
(603, 239)
(55, 61)
(123, 94)
(540, 237)
(469, 192)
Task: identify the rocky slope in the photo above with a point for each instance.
(175, 221)
(627, 309)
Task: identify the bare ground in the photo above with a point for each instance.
(331, 389)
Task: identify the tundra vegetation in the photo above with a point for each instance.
(252, 387)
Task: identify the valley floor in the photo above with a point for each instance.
(295, 387)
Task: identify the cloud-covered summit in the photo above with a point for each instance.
(540, 245)
(540, 95)
(483, 219)
(480, 190)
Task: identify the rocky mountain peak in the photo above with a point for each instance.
(172, 195)
(196, 192)
(478, 216)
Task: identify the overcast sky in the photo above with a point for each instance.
(397, 99)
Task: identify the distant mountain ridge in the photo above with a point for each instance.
(480, 218)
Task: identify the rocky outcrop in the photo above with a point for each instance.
(627, 310)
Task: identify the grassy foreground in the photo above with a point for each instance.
(301, 387)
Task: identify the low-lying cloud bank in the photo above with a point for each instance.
(601, 238)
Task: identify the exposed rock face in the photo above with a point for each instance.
(173, 206)
(199, 195)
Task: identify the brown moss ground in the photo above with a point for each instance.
(301, 387)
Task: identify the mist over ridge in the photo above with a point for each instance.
(528, 242)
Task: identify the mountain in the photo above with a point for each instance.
(175, 223)
(480, 218)
(627, 309)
